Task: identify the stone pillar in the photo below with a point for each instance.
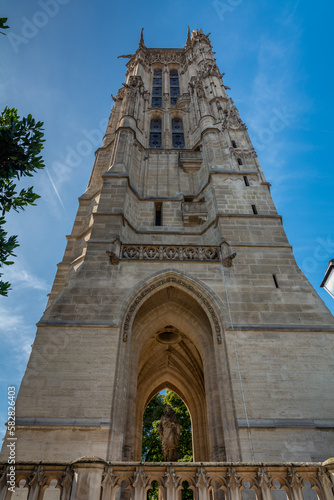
(35, 481)
(139, 484)
(263, 483)
(108, 482)
(87, 479)
(233, 482)
(202, 484)
(295, 484)
(326, 484)
(66, 484)
(170, 484)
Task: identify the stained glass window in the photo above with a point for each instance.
(174, 85)
(155, 133)
(177, 133)
(157, 89)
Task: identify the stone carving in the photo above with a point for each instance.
(120, 95)
(210, 68)
(171, 252)
(262, 477)
(201, 475)
(140, 474)
(227, 262)
(233, 480)
(114, 260)
(161, 282)
(169, 432)
(170, 475)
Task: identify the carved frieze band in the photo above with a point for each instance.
(162, 282)
(171, 252)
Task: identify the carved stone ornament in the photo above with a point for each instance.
(262, 477)
(170, 252)
(170, 476)
(162, 282)
(108, 477)
(227, 261)
(233, 479)
(114, 260)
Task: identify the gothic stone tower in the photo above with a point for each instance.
(178, 274)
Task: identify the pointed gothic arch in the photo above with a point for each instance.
(190, 366)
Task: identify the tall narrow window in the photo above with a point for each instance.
(239, 161)
(174, 85)
(275, 281)
(234, 144)
(155, 133)
(158, 214)
(246, 181)
(254, 209)
(177, 132)
(157, 89)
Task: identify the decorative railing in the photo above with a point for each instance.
(170, 252)
(94, 479)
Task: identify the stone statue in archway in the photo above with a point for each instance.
(169, 431)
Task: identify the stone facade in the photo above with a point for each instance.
(177, 229)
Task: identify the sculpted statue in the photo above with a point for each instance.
(169, 431)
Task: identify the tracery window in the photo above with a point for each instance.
(177, 133)
(174, 85)
(155, 133)
(157, 89)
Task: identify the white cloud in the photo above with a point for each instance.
(19, 276)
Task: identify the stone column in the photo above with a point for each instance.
(233, 482)
(35, 481)
(87, 479)
(170, 484)
(326, 484)
(263, 483)
(295, 484)
(66, 483)
(202, 484)
(108, 482)
(139, 484)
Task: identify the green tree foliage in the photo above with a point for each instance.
(21, 141)
(3, 25)
(151, 448)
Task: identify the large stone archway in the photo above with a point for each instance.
(195, 367)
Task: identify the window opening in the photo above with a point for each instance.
(158, 214)
(155, 133)
(186, 492)
(151, 442)
(246, 180)
(247, 493)
(153, 492)
(234, 144)
(177, 133)
(275, 281)
(240, 161)
(174, 85)
(157, 89)
(254, 209)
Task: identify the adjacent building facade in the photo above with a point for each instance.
(177, 274)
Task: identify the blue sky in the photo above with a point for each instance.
(59, 62)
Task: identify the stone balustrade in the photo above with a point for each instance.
(92, 478)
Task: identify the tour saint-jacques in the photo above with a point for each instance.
(177, 274)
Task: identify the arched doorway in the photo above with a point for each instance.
(152, 450)
(172, 342)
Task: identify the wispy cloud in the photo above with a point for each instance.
(17, 335)
(17, 275)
